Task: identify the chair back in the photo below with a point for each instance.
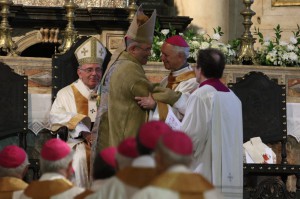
(264, 108)
(13, 104)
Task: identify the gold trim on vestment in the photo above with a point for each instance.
(8, 185)
(12, 184)
(73, 122)
(84, 194)
(189, 185)
(82, 103)
(173, 82)
(162, 111)
(46, 189)
(137, 177)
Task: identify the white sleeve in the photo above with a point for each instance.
(196, 119)
(79, 128)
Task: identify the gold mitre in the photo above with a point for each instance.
(143, 33)
(91, 51)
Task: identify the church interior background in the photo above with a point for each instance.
(33, 31)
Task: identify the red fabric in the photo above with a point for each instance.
(128, 148)
(150, 132)
(55, 149)
(177, 40)
(178, 142)
(12, 156)
(216, 83)
(108, 155)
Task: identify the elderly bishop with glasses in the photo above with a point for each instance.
(75, 106)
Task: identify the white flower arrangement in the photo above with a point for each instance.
(278, 52)
(196, 40)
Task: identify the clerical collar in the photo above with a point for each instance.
(183, 66)
(216, 83)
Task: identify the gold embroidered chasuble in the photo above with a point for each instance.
(173, 82)
(46, 189)
(10, 184)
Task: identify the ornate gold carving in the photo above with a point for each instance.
(80, 3)
(6, 43)
(132, 9)
(246, 54)
(70, 35)
(285, 3)
(49, 35)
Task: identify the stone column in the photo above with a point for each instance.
(206, 14)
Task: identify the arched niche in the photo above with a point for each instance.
(38, 43)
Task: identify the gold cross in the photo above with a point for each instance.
(101, 51)
(84, 51)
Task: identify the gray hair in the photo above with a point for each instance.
(184, 50)
(14, 172)
(54, 166)
(130, 42)
(170, 158)
(123, 161)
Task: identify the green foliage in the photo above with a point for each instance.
(277, 52)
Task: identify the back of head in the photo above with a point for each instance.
(127, 151)
(55, 156)
(174, 148)
(141, 28)
(105, 163)
(149, 134)
(13, 162)
(212, 62)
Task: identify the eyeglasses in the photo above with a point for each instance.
(90, 70)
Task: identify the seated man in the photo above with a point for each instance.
(13, 167)
(173, 155)
(56, 167)
(75, 106)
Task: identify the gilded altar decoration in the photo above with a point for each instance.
(246, 54)
(285, 2)
(70, 34)
(80, 3)
(6, 43)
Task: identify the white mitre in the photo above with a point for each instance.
(90, 52)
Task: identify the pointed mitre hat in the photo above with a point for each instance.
(91, 51)
(142, 33)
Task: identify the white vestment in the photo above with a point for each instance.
(213, 120)
(62, 112)
(186, 86)
(70, 193)
(114, 188)
(155, 192)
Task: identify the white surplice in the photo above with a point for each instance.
(154, 192)
(184, 87)
(63, 110)
(114, 188)
(213, 120)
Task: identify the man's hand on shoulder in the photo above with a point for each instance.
(146, 102)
